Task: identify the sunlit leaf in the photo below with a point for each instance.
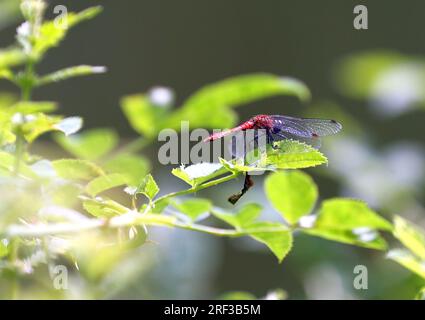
(349, 214)
(133, 167)
(199, 173)
(245, 216)
(11, 57)
(51, 34)
(421, 294)
(148, 187)
(74, 169)
(103, 208)
(289, 154)
(8, 163)
(6, 74)
(143, 116)
(105, 182)
(70, 72)
(210, 106)
(292, 193)
(372, 241)
(408, 260)
(410, 235)
(274, 235)
(4, 251)
(356, 74)
(193, 208)
(37, 124)
(237, 295)
(30, 107)
(90, 144)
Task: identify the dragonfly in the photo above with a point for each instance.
(279, 127)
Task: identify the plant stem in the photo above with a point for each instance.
(129, 219)
(26, 90)
(198, 188)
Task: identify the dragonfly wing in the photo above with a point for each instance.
(315, 142)
(247, 141)
(305, 127)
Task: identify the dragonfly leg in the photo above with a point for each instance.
(270, 140)
(248, 183)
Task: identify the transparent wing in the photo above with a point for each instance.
(304, 127)
(247, 141)
(315, 142)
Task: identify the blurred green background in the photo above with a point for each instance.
(188, 43)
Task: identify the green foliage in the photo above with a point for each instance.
(76, 169)
(50, 34)
(147, 187)
(349, 214)
(193, 208)
(276, 236)
(349, 221)
(143, 116)
(410, 236)
(413, 238)
(199, 173)
(90, 145)
(105, 182)
(356, 74)
(70, 72)
(209, 107)
(294, 155)
(292, 193)
(42, 209)
(133, 167)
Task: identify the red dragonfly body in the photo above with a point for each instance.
(279, 127)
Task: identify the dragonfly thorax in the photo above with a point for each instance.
(262, 121)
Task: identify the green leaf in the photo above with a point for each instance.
(199, 173)
(4, 251)
(193, 208)
(290, 154)
(421, 294)
(70, 72)
(133, 167)
(148, 187)
(369, 239)
(105, 182)
(143, 116)
(245, 216)
(37, 124)
(6, 74)
(8, 162)
(74, 169)
(244, 89)
(103, 208)
(11, 57)
(210, 106)
(274, 235)
(237, 295)
(349, 214)
(50, 35)
(408, 260)
(410, 235)
(357, 73)
(292, 193)
(91, 144)
(31, 107)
